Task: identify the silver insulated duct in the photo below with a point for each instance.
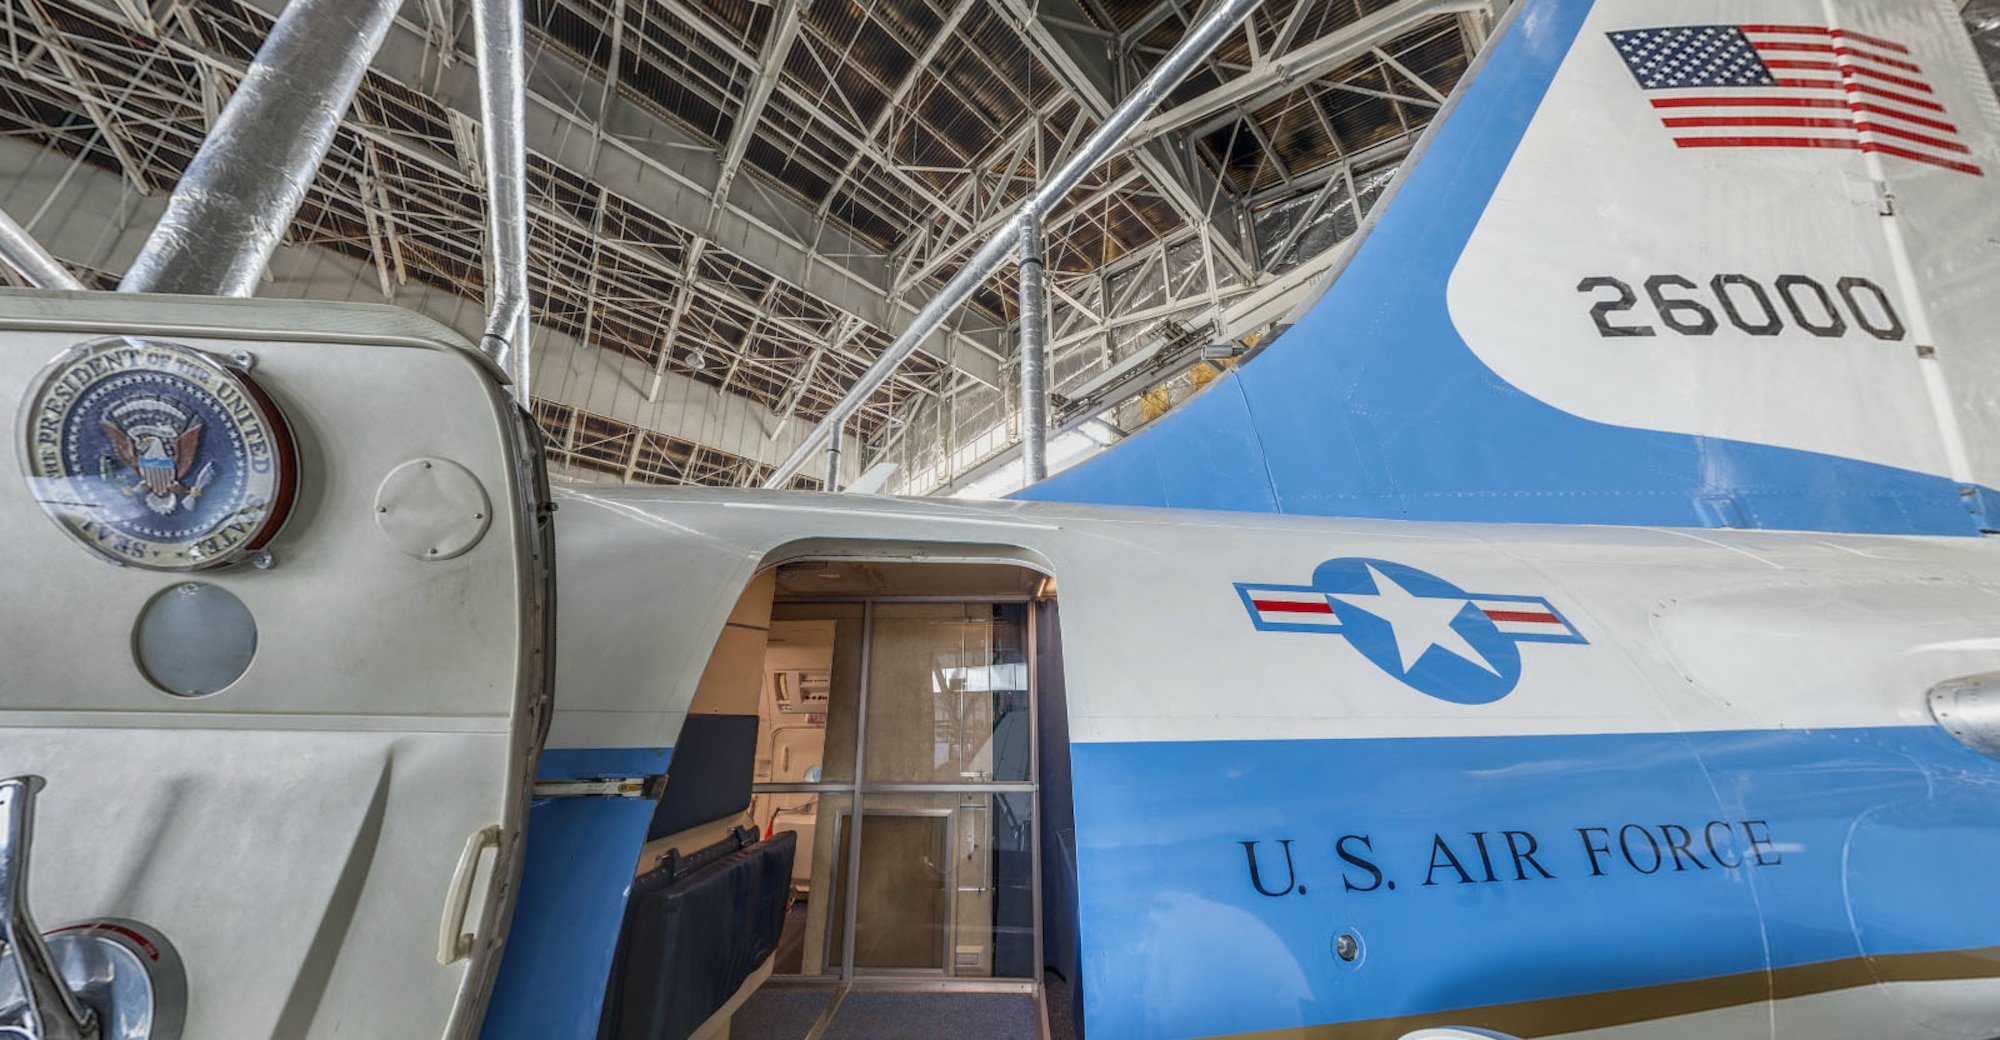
(497, 32)
(243, 187)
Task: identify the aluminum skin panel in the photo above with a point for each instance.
(1763, 678)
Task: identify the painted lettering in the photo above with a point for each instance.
(1624, 845)
(1592, 850)
(1438, 846)
(1363, 862)
(1527, 856)
(1256, 875)
(1759, 844)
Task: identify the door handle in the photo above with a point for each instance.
(454, 942)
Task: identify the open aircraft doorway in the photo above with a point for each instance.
(916, 892)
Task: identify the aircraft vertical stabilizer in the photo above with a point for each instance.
(1724, 264)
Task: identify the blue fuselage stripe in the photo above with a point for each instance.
(581, 856)
(1478, 871)
(593, 763)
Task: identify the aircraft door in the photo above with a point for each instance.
(274, 655)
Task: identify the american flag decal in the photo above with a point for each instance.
(1792, 86)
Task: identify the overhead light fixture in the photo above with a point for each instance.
(696, 360)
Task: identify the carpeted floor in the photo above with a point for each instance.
(778, 1013)
(933, 1016)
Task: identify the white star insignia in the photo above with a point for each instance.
(1417, 623)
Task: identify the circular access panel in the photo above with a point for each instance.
(432, 509)
(195, 639)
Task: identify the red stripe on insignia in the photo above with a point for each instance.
(1287, 607)
(1522, 615)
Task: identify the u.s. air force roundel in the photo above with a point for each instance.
(157, 455)
(1437, 638)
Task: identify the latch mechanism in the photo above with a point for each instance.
(647, 787)
(88, 981)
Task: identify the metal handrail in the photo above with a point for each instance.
(28, 258)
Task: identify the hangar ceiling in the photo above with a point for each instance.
(735, 204)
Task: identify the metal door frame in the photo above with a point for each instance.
(860, 787)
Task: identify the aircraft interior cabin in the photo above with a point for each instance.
(932, 881)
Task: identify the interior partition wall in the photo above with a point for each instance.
(927, 863)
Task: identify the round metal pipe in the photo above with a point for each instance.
(239, 194)
(1165, 76)
(503, 114)
(833, 460)
(26, 257)
(1034, 327)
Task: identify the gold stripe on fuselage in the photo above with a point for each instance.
(1556, 1016)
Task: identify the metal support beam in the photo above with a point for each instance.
(1034, 329)
(642, 157)
(690, 271)
(1196, 45)
(26, 257)
(1421, 84)
(771, 65)
(1305, 63)
(101, 115)
(895, 99)
(1057, 53)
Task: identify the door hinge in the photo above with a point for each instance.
(647, 787)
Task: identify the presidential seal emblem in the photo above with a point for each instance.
(157, 455)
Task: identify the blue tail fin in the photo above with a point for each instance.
(1729, 274)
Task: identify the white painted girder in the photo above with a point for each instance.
(666, 170)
